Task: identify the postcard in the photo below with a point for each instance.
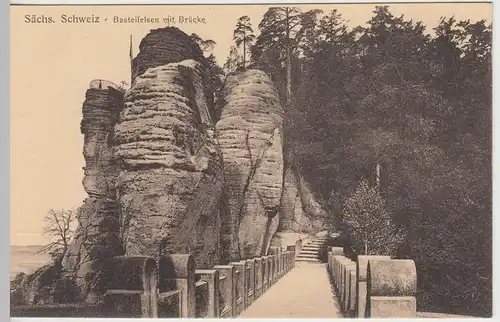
(251, 160)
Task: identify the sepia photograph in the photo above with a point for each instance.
(251, 160)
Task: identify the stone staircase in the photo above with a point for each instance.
(310, 252)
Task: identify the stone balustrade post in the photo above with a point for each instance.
(270, 259)
(258, 277)
(337, 251)
(134, 278)
(211, 276)
(334, 269)
(251, 280)
(342, 284)
(349, 267)
(339, 270)
(277, 261)
(241, 287)
(265, 270)
(342, 265)
(291, 251)
(298, 247)
(227, 289)
(391, 288)
(270, 271)
(274, 251)
(276, 267)
(361, 269)
(353, 282)
(282, 266)
(177, 271)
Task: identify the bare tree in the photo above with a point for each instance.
(58, 226)
(123, 86)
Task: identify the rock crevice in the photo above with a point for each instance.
(249, 133)
(300, 212)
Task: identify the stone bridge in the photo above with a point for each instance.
(286, 283)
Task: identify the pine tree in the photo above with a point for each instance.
(369, 224)
(233, 61)
(243, 35)
(278, 29)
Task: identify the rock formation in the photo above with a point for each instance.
(249, 133)
(300, 212)
(163, 175)
(97, 235)
(164, 46)
(171, 185)
(291, 205)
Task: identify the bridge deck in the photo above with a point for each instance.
(305, 292)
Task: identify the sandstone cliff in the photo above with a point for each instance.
(163, 175)
(97, 235)
(300, 212)
(171, 186)
(249, 133)
(164, 46)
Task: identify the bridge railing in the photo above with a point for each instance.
(103, 84)
(172, 287)
(374, 286)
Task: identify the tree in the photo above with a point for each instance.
(58, 226)
(389, 99)
(321, 142)
(205, 45)
(369, 223)
(216, 72)
(243, 35)
(216, 77)
(279, 27)
(308, 35)
(233, 61)
(332, 27)
(123, 86)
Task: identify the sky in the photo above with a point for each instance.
(53, 64)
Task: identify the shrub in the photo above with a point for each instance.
(368, 223)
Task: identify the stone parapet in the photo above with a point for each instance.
(373, 286)
(361, 268)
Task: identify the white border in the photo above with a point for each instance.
(5, 118)
(159, 2)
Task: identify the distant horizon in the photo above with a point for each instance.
(48, 88)
(35, 245)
